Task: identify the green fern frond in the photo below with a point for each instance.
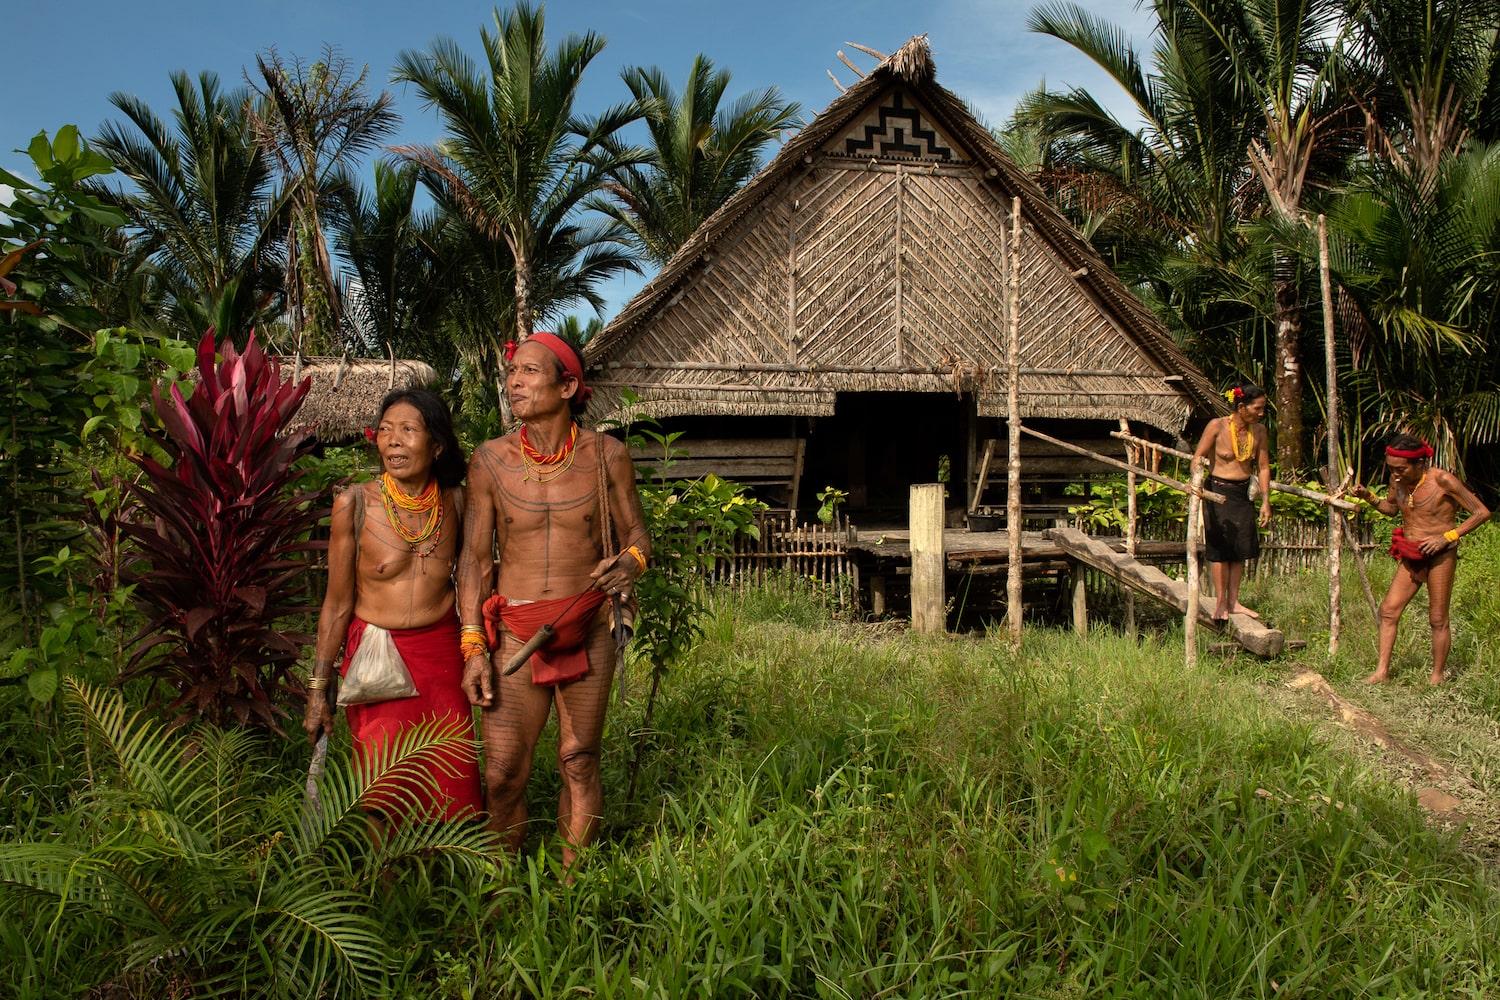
(300, 936)
(398, 776)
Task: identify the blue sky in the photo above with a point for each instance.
(62, 61)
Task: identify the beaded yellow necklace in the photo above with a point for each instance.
(545, 468)
(1234, 440)
(429, 502)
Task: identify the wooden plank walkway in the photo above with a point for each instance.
(1252, 633)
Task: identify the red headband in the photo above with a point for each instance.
(1412, 454)
(565, 354)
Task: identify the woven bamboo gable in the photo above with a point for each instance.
(871, 255)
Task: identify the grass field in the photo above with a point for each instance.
(838, 809)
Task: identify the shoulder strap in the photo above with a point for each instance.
(606, 525)
(359, 517)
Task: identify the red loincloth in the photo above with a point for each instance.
(1411, 556)
(563, 659)
(437, 666)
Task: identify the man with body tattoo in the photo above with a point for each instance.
(1428, 501)
(534, 502)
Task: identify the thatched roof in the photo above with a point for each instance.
(871, 255)
(346, 392)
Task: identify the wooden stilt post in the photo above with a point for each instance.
(1133, 456)
(1335, 522)
(1080, 599)
(929, 613)
(1194, 595)
(1013, 425)
(984, 475)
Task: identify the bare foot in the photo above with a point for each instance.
(1436, 678)
(1240, 609)
(1378, 677)
(1221, 614)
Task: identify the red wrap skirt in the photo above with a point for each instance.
(437, 666)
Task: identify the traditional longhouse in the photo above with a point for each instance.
(843, 319)
(346, 392)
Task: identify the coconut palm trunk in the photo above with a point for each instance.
(1288, 359)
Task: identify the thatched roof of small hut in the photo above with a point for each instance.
(870, 255)
(346, 392)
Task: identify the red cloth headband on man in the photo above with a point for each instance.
(1411, 454)
(565, 354)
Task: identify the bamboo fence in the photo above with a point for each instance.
(790, 557)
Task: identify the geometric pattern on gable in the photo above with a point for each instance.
(895, 128)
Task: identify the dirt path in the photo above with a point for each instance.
(1428, 740)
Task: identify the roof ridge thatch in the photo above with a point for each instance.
(913, 66)
(912, 62)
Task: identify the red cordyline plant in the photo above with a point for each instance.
(224, 532)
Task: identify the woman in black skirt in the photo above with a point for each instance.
(1237, 449)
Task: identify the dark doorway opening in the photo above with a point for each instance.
(877, 444)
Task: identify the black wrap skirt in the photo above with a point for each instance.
(1231, 533)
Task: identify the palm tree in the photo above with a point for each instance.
(578, 331)
(477, 278)
(1288, 55)
(395, 252)
(200, 204)
(1163, 201)
(517, 163)
(1419, 262)
(701, 153)
(314, 121)
(1417, 231)
(1243, 113)
(1431, 78)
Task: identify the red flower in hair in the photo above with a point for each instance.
(369, 434)
(510, 349)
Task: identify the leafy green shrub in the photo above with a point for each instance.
(1105, 507)
(51, 383)
(692, 524)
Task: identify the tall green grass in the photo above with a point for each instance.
(839, 810)
(832, 811)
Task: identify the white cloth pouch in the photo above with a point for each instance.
(376, 671)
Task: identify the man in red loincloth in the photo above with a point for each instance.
(1427, 500)
(534, 498)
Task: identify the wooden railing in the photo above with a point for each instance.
(791, 556)
(1289, 546)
